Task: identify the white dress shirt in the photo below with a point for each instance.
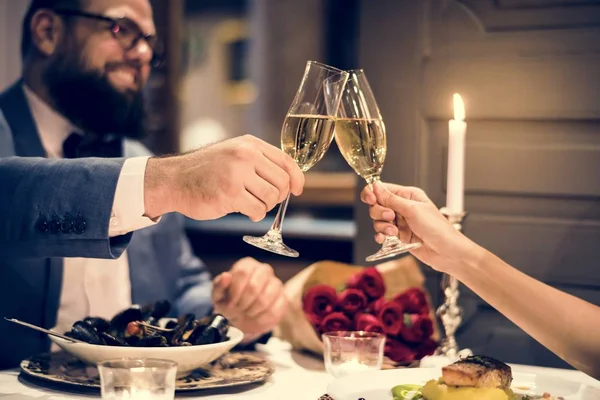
(94, 287)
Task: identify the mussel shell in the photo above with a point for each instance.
(171, 324)
(131, 340)
(85, 332)
(155, 340)
(146, 311)
(100, 324)
(153, 312)
(161, 309)
(221, 323)
(184, 324)
(195, 334)
(112, 341)
(118, 324)
(215, 332)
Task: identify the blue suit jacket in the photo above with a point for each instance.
(162, 265)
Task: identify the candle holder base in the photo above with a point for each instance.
(449, 312)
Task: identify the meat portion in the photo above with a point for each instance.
(479, 372)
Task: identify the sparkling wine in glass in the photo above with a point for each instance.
(360, 136)
(306, 135)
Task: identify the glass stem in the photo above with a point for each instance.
(371, 180)
(278, 223)
(389, 240)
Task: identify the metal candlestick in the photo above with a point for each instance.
(449, 312)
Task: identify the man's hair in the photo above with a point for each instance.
(34, 6)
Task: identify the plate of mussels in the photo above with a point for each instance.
(144, 331)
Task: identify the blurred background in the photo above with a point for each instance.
(528, 70)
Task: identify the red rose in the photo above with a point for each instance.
(351, 301)
(369, 281)
(417, 328)
(319, 301)
(375, 306)
(413, 301)
(391, 316)
(426, 348)
(336, 321)
(353, 280)
(315, 321)
(368, 323)
(397, 351)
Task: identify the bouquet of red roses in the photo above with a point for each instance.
(387, 299)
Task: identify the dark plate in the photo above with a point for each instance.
(233, 369)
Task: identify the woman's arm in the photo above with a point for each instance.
(566, 325)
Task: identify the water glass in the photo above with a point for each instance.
(349, 352)
(137, 379)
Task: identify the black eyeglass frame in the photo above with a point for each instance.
(116, 24)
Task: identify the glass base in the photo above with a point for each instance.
(391, 247)
(273, 242)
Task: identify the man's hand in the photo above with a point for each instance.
(250, 296)
(244, 174)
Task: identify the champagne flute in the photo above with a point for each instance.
(306, 135)
(360, 136)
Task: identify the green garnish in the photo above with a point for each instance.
(407, 392)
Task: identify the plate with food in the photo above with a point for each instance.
(472, 378)
(144, 332)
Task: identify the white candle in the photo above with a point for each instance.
(350, 367)
(456, 158)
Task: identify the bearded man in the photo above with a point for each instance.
(85, 64)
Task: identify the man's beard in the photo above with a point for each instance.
(87, 99)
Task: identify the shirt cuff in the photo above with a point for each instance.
(128, 205)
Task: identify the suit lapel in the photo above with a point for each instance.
(20, 120)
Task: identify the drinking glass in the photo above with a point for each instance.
(306, 135)
(349, 352)
(360, 136)
(137, 379)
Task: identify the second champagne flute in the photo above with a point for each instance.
(306, 135)
(360, 136)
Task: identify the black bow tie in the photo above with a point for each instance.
(78, 146)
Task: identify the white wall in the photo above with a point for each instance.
(11, 16)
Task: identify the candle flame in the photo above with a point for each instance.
(459, 108)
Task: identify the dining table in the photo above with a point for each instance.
(297, 375)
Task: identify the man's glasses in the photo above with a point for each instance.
(125, 31)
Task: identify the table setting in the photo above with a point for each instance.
(350, 332)
(300, 375)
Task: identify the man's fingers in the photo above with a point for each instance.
(275, 175)
(271, 317)
(263, 191)
(220, 285)
(287, 163)
(254, 289)
(241, 274)
(251, 206)
(269, 295)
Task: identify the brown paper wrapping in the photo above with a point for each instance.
(398, 275)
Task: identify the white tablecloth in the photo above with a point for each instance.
(297, 376)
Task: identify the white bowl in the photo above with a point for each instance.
(188, 358)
